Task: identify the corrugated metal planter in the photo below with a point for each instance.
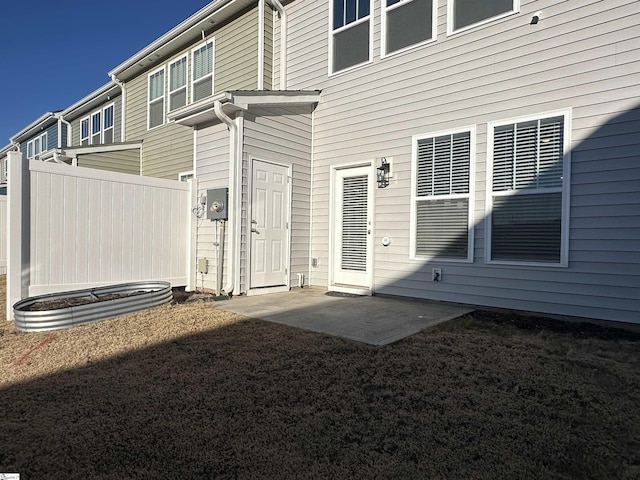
(141, 295)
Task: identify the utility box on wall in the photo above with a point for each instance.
(217, 200)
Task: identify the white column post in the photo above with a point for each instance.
(18, 225)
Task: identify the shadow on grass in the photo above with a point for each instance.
(259, 400)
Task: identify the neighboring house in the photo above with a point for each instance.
(96, 139)
(226, 45)
(40, 139)
(3, 162)
(510, 130)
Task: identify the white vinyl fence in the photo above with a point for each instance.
(3, 233)
(72, 228)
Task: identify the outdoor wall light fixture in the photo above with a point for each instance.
(382, 173)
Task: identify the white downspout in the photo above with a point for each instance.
(283, 42)
(261, 45)
(233, 210)
(123, 109)
(69, 131)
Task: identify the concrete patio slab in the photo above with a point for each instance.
(376, 320)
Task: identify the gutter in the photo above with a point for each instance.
(234, 206)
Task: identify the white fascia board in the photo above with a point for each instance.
(114, 147)
(274, 99)
(110, 87)
(31, 129)
(175, 34)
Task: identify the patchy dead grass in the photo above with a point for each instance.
(189, 391)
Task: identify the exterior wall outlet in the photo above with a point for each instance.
(315, 261)
(436, 274)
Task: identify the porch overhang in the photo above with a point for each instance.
(104, 148)
(236, 101)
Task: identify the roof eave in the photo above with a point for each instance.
(33, 127)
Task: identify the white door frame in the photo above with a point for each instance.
(367, 288)
(286, 287)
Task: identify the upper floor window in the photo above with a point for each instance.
(84, 131)
(37, 146)
(528, 181)
(156, 99)
(107, 124)
(442, 187)
(350, 40)
(407, 23)
(466, 13)
(202, 75)
(178, 83)
(96, 127)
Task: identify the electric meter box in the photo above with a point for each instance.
(217, 201)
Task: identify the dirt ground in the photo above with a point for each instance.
(189, 391)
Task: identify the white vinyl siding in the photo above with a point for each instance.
(178, 83)
(407, 23)
(351, 34)
(442, 187)
(463, 14)
(528, 174)
(155, 110)
(202, 75)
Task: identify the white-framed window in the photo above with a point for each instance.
(107, 124)
(84, 131)
(202, 74)
(37, 146)
(178, 83)
(184, 176)
(442, 195)
(528, 169)
(351, 34)
(96, 127)
(406, 23)
(5, 171)
(155, 110)
(464, 14)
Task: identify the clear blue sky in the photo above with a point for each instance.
(53, 53)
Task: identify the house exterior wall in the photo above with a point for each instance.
(52, 139)
(212, 148)
(168, 149)
(282, 136)
(580, 58)
(124, 161)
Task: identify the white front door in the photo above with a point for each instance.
(352, 229)
(269, 225)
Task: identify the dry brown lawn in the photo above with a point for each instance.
(189, 391)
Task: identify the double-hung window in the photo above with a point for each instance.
(178, 83)
(202, 75)
(37, 146)
(407, 23)
(350, 37)
(107, 124)
(464, 14)
(96, 127)
(156, 99)
(442, 223)
(84, 131)
(528, 182)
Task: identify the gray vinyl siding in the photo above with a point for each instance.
(581, 56)
(284, 139)
(125, 161)
(168, 149)
(212, 146)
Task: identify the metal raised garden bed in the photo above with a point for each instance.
(129, 297)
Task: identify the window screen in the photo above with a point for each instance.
(408, 24)
(468, 12)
